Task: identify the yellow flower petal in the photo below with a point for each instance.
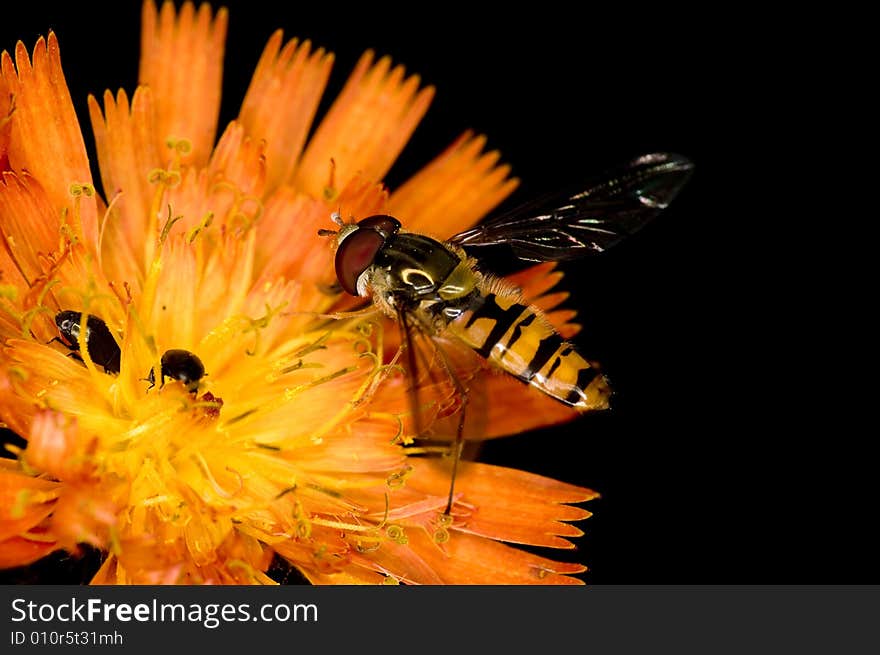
(85, 395)
(281, 102)
(182, 62)
(365, 129)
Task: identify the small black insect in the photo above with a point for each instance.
(179, 365)
(102, 347)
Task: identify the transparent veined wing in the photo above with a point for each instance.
(592, 218)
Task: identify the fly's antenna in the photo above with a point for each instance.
(336, 217)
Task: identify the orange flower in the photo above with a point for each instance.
(294, 443)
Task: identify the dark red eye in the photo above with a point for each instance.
(355, 255)
(387, 225)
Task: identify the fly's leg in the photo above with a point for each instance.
(462, 392)
(74, 350)
(409, 351)
(404, 320)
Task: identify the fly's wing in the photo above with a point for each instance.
(593, 218)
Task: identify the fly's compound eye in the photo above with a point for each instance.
(382, 223)
(355, 255)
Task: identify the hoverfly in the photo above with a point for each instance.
(437, 289)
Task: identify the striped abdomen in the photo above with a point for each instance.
(516, 338)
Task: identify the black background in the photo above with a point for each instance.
(720, 462)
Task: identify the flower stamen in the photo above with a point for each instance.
(203, 225)
(397, 534)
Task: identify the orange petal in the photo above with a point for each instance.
(536, 280)
(28, 223)
(46, 139)
(45, 269)
(225, 194)
(24, 501)
(182, 61)
(351, 576)
(512, 505)
(9, 326)
(127, 151)
(514, 407)
(454, 191)
(361, 198)
(562, 319)
(290, 242)
(240, 161)
(58, 448)
(365, 129)
(16, 412)
(34, 257)
(401, 561)
(84, 514)
(194, 199)
(534, 283)
(281, 102)
(473, 560)
(106, 575)
(289, 219)
(172, 292)
(6, 109)
(19, 551)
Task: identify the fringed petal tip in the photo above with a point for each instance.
(182, 61)
(510, 505)
(454, 191)
(365, 129)
(44, 134)
(474, 560)
(282, 100)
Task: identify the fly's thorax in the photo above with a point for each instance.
(416, 264)
(415, 268)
